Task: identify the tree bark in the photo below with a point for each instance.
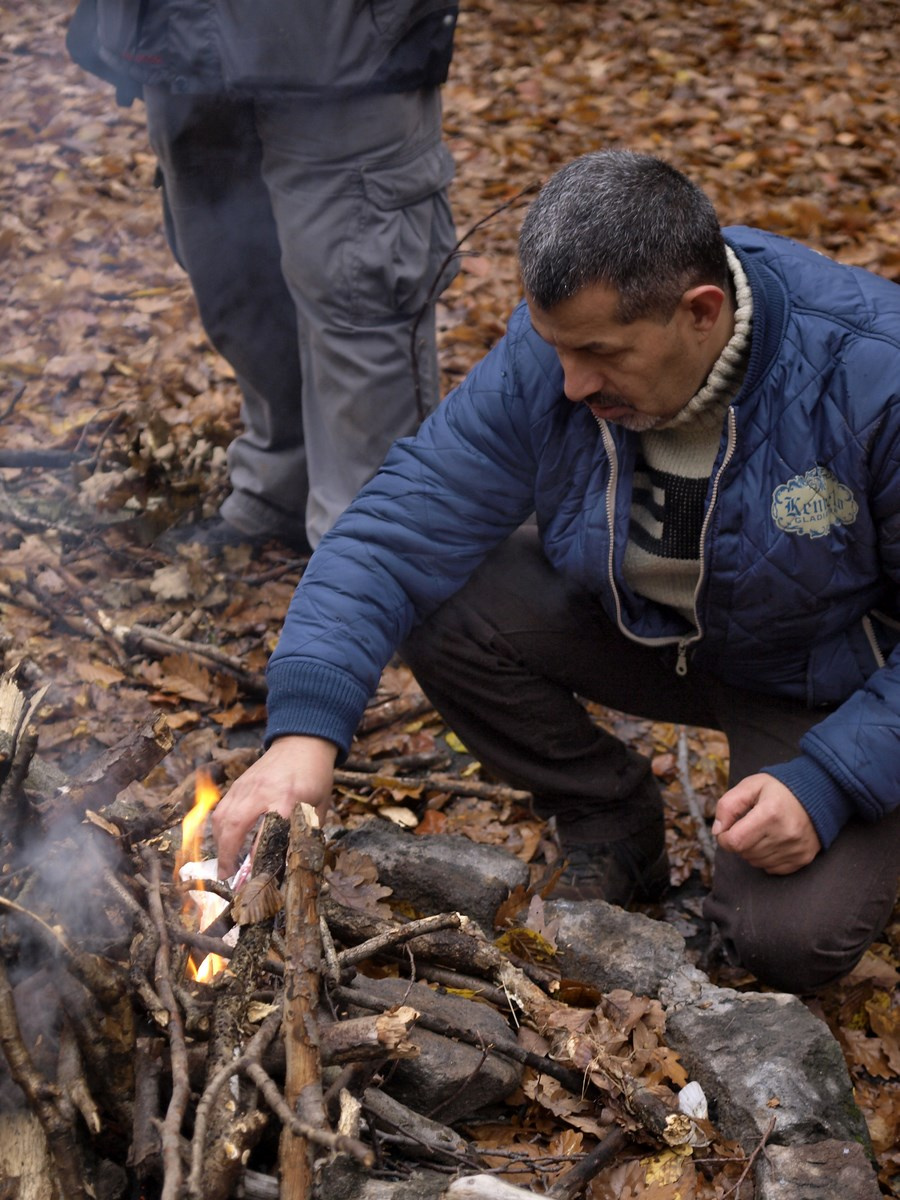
(303, 1072)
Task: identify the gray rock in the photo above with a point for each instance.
(756, 1056)
(449, 1078)
(759, 1056)
(816, 1172)
(439, 873)
(609, 948)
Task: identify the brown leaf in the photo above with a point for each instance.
(352, 880)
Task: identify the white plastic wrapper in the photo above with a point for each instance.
(209, 905)
(692, 1101)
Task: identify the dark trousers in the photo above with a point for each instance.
(504, 662)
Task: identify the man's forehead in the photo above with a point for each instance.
(589, 319)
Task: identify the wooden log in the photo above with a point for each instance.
(170, 1127)
(419, 1137)
(139, 823)
(433, 760)
(98, 1005)
(573, 1080)
(303, 1072)
(26, 1167)
(129, 760)
(396, 936)
(55, 1114)
(144, 1151)
(454, 948)
(233, 1127)
(71, 1078)
(17, 713)
(382, 1035)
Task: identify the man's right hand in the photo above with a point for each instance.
(293, 769)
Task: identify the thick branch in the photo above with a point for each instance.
(303, 1072)
(55, 1117)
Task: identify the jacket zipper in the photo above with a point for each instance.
(683, 643)
(869, 630)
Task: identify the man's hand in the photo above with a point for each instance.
(292, 769)
(764, 822)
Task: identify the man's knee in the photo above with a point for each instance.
(795, 951)
(802, 931)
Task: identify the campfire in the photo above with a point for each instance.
(205, 1040)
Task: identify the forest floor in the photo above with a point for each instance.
(115, 412)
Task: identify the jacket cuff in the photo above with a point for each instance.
(827, 805)
(312, 698)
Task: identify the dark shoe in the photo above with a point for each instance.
(215, 534)
(617, 872)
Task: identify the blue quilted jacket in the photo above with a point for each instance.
(800, 550)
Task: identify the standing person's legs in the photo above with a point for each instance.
(358, 188)
(504, 661)
(220, 225)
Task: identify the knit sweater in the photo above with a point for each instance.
(671, 479)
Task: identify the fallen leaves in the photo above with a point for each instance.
(787, 115)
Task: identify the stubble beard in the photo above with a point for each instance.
(636, 422)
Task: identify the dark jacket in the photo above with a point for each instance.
(801, 545)
(318, 48)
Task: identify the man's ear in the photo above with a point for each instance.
(704, 303)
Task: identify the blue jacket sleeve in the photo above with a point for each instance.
(442, 500)
(849, 765)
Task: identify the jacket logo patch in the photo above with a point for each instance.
(810, 504)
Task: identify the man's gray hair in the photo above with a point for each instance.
(628, 221)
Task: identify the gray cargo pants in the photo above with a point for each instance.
(315, 236)
(504, 661)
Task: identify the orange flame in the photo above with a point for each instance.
(206, 797)
(208, 969)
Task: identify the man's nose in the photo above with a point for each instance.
(580, 379)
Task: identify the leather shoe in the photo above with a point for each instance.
(617, 872)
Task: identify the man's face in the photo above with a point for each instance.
(638, 375)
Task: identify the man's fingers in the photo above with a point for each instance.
(229, 835)
(733, 804)
(774, 833)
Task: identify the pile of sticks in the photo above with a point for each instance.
(257, 1082)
